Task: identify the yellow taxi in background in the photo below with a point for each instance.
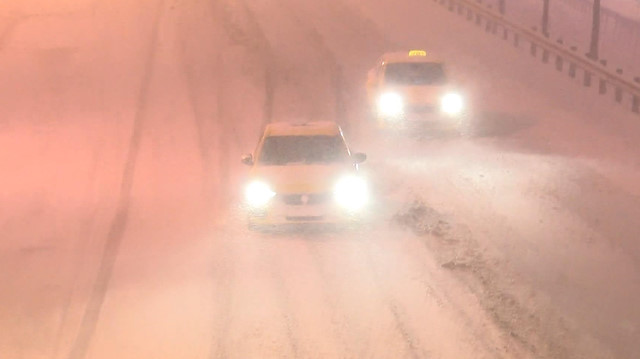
(412, 86)
(303, 173)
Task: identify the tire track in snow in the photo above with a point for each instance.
(341, 86)
(354, 42)
(290, 75)
(340, 321)
(328, 59)
(243, 29)
(223, 291)
(203, 126)
(339, 300)
(199, 118)
(118, 226)
(444, 298)
(309, 263)
(270, 251)
(413, 346)
(232, 30)
(291, 324)
(374, 253)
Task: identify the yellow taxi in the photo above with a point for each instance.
(303, 173)
(412, 86)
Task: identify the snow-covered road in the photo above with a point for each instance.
(121, 129)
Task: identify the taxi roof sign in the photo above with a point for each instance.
(417, 53)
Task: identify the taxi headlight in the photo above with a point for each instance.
(351, 192)
(258, 194)
(390, 104)
(452, 104)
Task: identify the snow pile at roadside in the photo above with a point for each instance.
(533, 327)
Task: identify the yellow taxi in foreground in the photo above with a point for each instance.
(412, 86)
(304, 173)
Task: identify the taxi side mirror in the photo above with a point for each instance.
(247, 159)
(359, 157)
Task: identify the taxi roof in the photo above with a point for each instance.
(311, 128)
(409, 56)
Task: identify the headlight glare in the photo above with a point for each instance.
(258, 194)
(390, 104)
(351, 192)
(452, 104)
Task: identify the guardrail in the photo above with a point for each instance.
(483, 15)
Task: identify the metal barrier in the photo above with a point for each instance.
(494, 22)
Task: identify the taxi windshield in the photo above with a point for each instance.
(283, 150)
(414, 73)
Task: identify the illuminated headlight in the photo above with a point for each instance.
(351, 192)
(258, 194)
(390, 104)
(452, 104)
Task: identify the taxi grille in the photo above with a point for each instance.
(300, 199)
(304, 218)
(422, 108)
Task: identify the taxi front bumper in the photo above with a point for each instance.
(319, 208)
(417, 116)
(395, 108)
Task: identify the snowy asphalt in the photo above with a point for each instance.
(121, 128)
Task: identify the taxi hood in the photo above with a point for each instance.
(301, 178)
(417, 95)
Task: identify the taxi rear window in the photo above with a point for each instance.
(414, 73)
(287, 150)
